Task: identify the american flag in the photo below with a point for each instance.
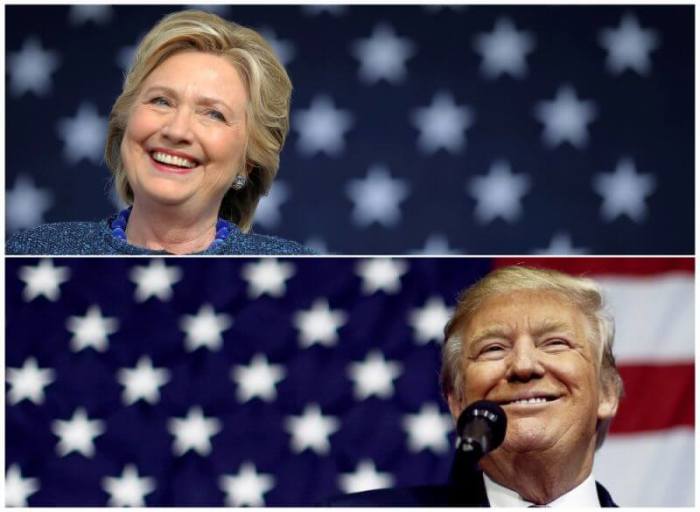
(471, 129)
(214, 382)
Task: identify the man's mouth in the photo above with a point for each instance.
(174, 160)
(531, 400)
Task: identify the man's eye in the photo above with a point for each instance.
(555, 343)
(491, 351)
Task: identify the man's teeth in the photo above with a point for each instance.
(165, 158)
(530, 401)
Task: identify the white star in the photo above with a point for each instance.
(267, 214)
(319, 324)
(77, 434)
(246, 488)
(97, 14)
(204, 329)
(142, 382)
(561, 243)
(83, 135)
(383, 55)
(28, 382)
(125, 56)
(442, 124)
(267, 275)
(437, 244)
(30, 69)
(628, 46)
(26, 204)
(624, 191)
(322, 127)
(193, 432)
(499, 193)
(311, 430)
(155, 280)
(428, 429)
(43, 279)
(376, 198)
(128, 490)
(365, 478)
(429, 321)
(284, 49)
(566, 118)
(18, 489)
(91, 330)
(381, 274)
(374, 376)
(503, 51)
(258, 379)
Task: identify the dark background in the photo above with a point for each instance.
(646, 118)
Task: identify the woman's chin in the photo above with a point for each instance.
(165, 198)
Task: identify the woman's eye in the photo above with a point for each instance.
(160, 100)
(215, 114)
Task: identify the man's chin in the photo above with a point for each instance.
(527, 439)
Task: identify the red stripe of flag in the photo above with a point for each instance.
(604, 266)
(656, 397)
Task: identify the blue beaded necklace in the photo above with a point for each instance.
(118, 227)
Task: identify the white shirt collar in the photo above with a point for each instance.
(583, 495)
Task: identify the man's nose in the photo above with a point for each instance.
(524, 361)
(178, 126)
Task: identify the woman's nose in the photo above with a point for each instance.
(178, 127)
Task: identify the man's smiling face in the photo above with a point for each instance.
(531, 352)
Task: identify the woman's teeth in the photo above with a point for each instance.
(178, 161)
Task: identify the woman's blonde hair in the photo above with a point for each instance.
(582, 292)
(266, 81)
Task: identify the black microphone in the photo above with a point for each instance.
(481, 428)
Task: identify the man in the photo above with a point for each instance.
(538, 343)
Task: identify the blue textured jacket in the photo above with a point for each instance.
(84, 238)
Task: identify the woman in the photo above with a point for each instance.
(193, 142)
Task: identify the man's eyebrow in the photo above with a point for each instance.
(549, 326)
(496, 331)
(503, 331)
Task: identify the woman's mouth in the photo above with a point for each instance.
(174, 164)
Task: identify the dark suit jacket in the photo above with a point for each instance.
(471, 493)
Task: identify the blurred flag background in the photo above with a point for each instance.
(436, 129)
(283, 382)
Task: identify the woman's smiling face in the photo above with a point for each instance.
(186, 136)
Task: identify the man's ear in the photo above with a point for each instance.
(608, 401)
(455, 406)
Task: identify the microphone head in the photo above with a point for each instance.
(488, 418)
